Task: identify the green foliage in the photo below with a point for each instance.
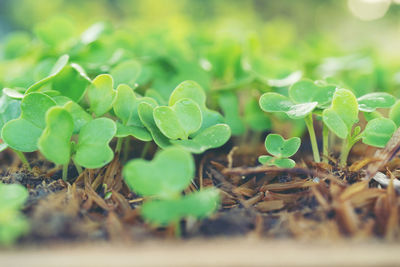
(394, 113)
(101, 94)
(12, 222)
(370, 102)
(281, 150)
(229, 103)
(23, 133)
(378, 131)
(342, 114)
(91, 150)
(126, 109)
(163, 179)
(180, 120)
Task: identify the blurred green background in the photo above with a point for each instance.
(241, 46)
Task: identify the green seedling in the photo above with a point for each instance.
(21, 134)
(101, 94)
(162, 180)
(186, 122)
(370, 102)
(281, 150)
(304, 97)
(65, 79)
(180, 120)
(12, 222)
(341, 117)
(126, 109)
(9, 109)
(90, 151)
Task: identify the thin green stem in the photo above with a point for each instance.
(145, 150)
(23, 159)
(119, 145)
(65, 172)
(325, 142)
(313, 139)
(126, 149)
(346, 147)
(78, 167)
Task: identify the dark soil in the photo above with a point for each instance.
(312, 201)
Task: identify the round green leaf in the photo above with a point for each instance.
(55, 141)
(342, 114)
(12, 196)
(274, 102)
(93, 150)
(277, 146)
(372, 101)
(212, 137)
(23, 133)
(198, 205)
(299, 111)
(101, 94)
(165, 176)
(306, 91)
(193, 91)
(284, 163)
(264, 159)
(378, 132)
(180, 120)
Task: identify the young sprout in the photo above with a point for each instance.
(90, 151)
(162, 180)
(22, 134)
(186, 121)
(343, 114)
(101, 94)
(304, 97)
(68, 80)
(281, 150)
(9, 109)
(126, 109)
(12, 223)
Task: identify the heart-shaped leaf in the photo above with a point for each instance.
(378, 132)
(57, 68)
(198, 205)
(23, 133)
(126, 72)
(68, 80)
(306, 91)
(93, 150)
(265, 159)
(9, 109)
(165, 176)
(273, 102)
(277, 146)
(179, 120)
(12, 196)
(193, 91)
(55, 141)
(212, 137)
(342, 114)
(284, 163)
(101, 94)
(372, 101)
